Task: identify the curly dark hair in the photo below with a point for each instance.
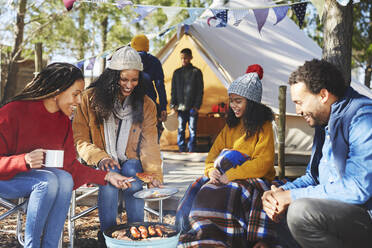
(254, 117)
(51, 81)
(105, 92)
(320, 74)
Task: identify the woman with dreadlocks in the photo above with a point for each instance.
(33, 121)
(115, 130)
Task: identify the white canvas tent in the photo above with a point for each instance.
(224, 53)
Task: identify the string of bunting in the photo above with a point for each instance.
(220, 17)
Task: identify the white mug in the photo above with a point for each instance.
(54, 158)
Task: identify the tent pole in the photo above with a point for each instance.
(281, 131)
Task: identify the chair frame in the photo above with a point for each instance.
(13, 208)
(72, 216)
(20, 209)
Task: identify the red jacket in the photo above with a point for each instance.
(26, 126)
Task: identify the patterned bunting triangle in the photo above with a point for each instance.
(261, 16)
(280, 13)
(300, 11)
(220, 17)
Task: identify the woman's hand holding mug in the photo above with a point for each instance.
(35, 159)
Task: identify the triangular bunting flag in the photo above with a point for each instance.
(261, 16)
(239, 15)
(80, 64)
(193, 14)
(69, 4)
(143, 11)
(90, 65)
(300, 11)
(171, 14)
(221, 18)
(319, 5)
(122, 3)
(280, 13)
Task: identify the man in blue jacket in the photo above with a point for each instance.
(331, 205)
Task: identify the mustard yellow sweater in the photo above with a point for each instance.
(259, 147)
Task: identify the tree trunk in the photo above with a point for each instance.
(104, 25)
(338, 30)
(38, 57)
(11, 82)
(81, 41)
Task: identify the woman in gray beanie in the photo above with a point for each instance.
(115, 130)
(224, 207)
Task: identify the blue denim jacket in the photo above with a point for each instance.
(350, 130)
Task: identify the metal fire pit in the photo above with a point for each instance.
(169, 241)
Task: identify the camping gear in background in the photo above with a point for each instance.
(219, 110)
(223, 54)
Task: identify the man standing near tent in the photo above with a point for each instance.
(187, 96)
(153, 75)
(331, 205)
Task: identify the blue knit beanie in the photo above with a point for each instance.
(248, 86)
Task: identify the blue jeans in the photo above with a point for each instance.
(192, 119)
(108, 197)
(49, 191)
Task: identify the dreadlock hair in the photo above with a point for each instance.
(106, 89)
(51, 81)
(254, 117)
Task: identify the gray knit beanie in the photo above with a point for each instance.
(126, 58)
(248, 86)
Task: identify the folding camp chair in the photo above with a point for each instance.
(20, 209)
(13, 208)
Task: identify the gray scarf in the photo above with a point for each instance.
(116, 136)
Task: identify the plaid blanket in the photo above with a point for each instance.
(224, 215)
(226, 160)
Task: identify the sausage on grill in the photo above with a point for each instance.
(152, 231)
(159, 232)
(144, 233)
(135, 233)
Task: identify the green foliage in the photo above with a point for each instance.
(78, 33)
(362, 35)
